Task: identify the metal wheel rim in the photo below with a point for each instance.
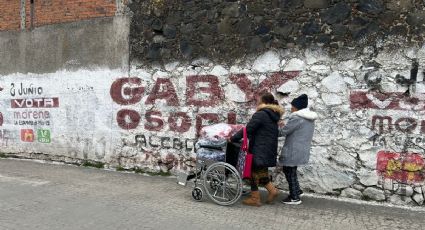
(229, 189)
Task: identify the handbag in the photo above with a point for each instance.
(245, 158)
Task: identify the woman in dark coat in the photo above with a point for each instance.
(262, 131)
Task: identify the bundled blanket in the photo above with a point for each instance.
(212, 141)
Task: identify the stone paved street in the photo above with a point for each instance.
(46, 196)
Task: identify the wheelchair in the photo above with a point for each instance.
(215, 176)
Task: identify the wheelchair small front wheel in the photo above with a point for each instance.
(197, 194)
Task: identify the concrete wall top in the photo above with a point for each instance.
(84, 44)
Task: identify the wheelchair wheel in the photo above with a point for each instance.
(222, 183)
(197, 194)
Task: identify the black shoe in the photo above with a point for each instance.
(291, 201)
(301, 193)
(246, 192)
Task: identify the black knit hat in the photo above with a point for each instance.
(300, 102)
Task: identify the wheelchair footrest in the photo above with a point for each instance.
(182, 178)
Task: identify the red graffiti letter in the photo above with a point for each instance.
(184, 125)
(163, 89)
(128, 119)
(269, 84)
(122, 92)
(154, 123)
(213, 90)
(211, 117)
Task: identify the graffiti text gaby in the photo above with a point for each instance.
(200, 91)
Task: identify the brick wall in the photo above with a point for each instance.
(53, 11)
(10, 14)
(59, 11)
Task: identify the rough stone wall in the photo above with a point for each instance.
(227, 30)
(368, 142)
(361, 62)
(195, 63)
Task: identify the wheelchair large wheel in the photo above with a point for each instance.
(222, 183)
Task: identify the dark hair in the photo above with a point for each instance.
(268, 98)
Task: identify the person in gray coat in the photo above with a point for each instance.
(298, 133)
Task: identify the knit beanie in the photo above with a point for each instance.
(300, 102)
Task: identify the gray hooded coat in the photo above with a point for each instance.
(299, 135)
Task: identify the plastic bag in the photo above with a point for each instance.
(210, 144)
(210, 154)
(244, 164)
(220, 131)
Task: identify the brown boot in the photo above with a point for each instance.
(273, 192)
(253, 200)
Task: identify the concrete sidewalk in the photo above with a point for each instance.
(47, 196)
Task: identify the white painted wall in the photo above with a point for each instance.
(344, 155)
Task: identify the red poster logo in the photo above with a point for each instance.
(27, 135)
(403, 167)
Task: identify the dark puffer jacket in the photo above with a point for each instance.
(263, 132)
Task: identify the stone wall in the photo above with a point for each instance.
(368, 144)
(227, 30)
(361, 63)
(194, 63)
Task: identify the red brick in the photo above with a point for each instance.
(10, 18)
(68, 10)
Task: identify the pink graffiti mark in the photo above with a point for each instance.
(386, 101)
(267, 85)
(407, 168)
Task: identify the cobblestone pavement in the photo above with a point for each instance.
(46, 196)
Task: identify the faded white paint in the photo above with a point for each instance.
(85, 125)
